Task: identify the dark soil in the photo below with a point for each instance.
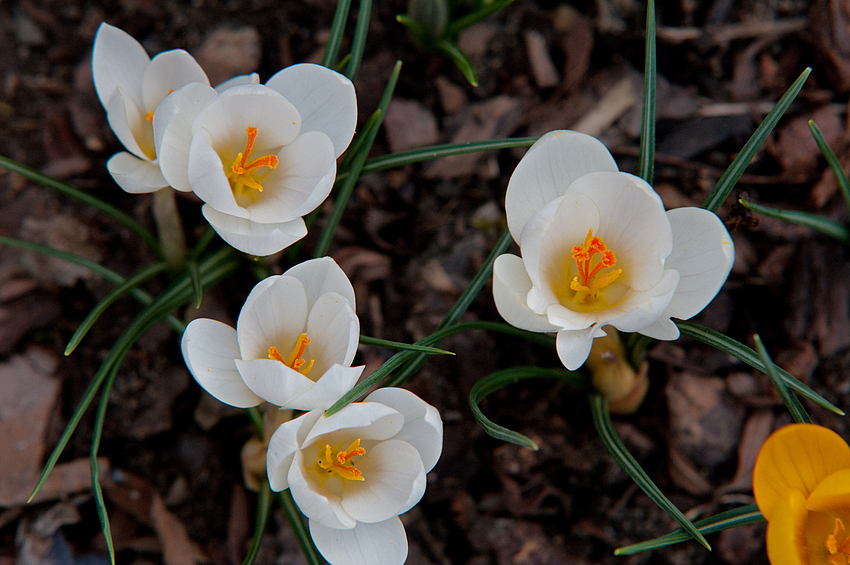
(410, 240)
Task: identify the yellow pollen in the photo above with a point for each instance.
(341, 464)
(838, 544)
(589, 280)
(242, 172)
(295, 361)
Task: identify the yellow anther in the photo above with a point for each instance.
(838, 544)
(242, 171)
(341, 464)
(294, 361)
(589, 279)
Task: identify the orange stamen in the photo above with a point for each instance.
(338, 465)
(294, 361)
(839, 551)
(587, 281)
(241, 168)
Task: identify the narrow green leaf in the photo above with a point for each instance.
(347, 187)
(264, 509)
(100, 417)
(192, 268)
(840, 176)
(501, 379)
(602, 421)
(256, 417)
(828, 227)
(797, 411)
(742, 516)
(108, 274)
(636, 345)
(401, 158)
(377, 342)
(751, 358)
(358, 44)
(212, 270)
(646, 163)
(109, 299)
(202, 244)
(461, 305)
(293, 516)
(337, 29)
(403, 357)
(83, 197)
(460, 59)
(476, 16)
(727, 181)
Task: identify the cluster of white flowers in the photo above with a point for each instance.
(598, 249)
(260, 156)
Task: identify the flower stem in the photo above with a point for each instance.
(169, 228)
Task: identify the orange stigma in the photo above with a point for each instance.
(241, 172)
(838, 544)
(341, 464)
(589, 280)
(294, 361)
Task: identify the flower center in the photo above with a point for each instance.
(838, 544)
(242, 171)
(294, 361)
(341, 463)
(590, 279)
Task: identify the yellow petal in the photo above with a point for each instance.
(832, 494)
(786, 531)
(796, 457)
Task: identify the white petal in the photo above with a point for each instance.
(703, 254)
(210, 350)
(547, 170)
(320, 276)
(423, 428)
(301, 181)
(228, 115)
(253, 238)
(334, 330)
(252, 78)
(632, 222)
(134, 175)
(274, 314)
(129, 125)
(172, 131)
(384, 543)
(273, 381)
(364, 420)
(329, 388)
(324, 98)
(167, 72)
(548, 239)
(117, 60)
(208, 180)
(393, 475)
(663, 329)
(313, 501)
(283, 445)
(510, 289)
(574, 345)
(645, 307)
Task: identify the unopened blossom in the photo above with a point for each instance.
(259, 156)
(130, 86)
(354, 472)
(599, 249)
(801, 482)
(293, 345)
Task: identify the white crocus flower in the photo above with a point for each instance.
(130, 86)
(259, 156)
(598, 249)
(293, 345)
(354, 472)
